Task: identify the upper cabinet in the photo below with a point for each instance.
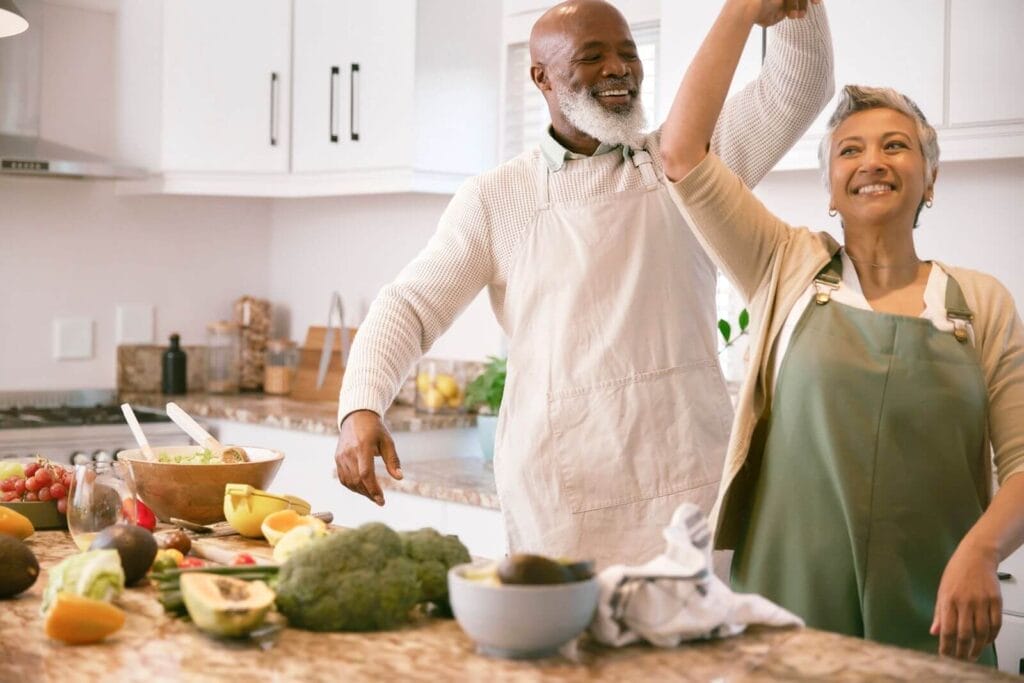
(291, 98)
(353, 97)
(955, 58)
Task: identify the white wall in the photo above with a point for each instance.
(73, 248)
(976, 221)
(355, 245)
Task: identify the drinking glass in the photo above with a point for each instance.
(101, 495)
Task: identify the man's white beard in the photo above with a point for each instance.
(589, 116)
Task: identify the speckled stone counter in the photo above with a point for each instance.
(460, 480)
(286, 413)
(152, 647)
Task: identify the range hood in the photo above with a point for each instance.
(22, 151)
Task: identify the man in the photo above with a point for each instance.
(615, 410)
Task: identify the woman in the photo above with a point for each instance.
(857, 483)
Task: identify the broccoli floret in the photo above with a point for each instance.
(366, 579)
(434, 555)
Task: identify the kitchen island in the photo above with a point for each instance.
(154, 647)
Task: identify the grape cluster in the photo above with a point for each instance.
(40, 481)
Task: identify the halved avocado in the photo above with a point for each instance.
(19, 568)
(223, 606)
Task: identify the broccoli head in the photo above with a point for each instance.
(434, 555)
(356, 580)
(366, 579)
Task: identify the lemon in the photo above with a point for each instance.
(447, 385)
(433, 399)
(456, 400)
(423, 382)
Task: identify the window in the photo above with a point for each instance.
(526, 111)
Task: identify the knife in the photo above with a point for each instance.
(223, 529)
(325, 354)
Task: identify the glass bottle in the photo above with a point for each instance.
(281, 359)
(222, 359)
(173, 376)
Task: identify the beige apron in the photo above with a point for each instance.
(615, 409)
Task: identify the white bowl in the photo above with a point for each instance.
(521, 622)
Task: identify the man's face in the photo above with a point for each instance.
(595, 74)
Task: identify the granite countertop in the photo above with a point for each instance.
(460, 480)
(286, 413)
(153, 647)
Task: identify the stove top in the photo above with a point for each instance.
(71, 416)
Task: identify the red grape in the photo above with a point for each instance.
(44, 494)
(44, 477)
(7, 485)
(57, 490)
(19, 486)
(31, 468)
(62, 506)
(31, 497)
(32, 484)
(10, 496)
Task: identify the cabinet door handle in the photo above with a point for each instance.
(273, 108)
(335, 75)
(353, 102)
(1004, 576)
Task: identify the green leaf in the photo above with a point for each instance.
(726, 330)
(744, 320)
(489, 387)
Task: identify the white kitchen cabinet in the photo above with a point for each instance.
(200, 93)
(1010, 645)
(369, 97)
(882, 43)
(986, 65)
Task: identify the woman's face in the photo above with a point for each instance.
(877, 169)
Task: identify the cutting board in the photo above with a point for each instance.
(304, 385)
(223, 550)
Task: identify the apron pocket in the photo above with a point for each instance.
(640, 437)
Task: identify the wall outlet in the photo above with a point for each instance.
(72, 338)
(134, 324)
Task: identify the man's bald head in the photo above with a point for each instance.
(585, 63)
(554, 31)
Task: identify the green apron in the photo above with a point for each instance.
(872, 469)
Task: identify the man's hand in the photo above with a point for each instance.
(771, 12)
(363, 438)
(968, 608)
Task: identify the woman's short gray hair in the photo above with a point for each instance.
(855, 98)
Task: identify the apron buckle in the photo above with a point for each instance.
(960, 331)
(824, 294)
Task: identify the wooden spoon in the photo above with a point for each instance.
(133, 424)
(228, 454)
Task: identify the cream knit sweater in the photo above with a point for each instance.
(488, 216)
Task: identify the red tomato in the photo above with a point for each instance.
(243, 558)
(144, 516)
(191, 563)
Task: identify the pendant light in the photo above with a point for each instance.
(11, 20)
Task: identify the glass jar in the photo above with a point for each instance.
(222, 360)
(440, 386)
(281, 359)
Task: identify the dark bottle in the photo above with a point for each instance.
(174, 363)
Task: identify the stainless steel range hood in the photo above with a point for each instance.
(22, 151)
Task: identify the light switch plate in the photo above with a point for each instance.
(134, 324)
(72, 338)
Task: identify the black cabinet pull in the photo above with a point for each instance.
(353, 102)
(1004, 576)
(335, 75)
(273, 108)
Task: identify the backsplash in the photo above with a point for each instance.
(139, 368)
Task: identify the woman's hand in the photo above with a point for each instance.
(771, 12)
(968, 608)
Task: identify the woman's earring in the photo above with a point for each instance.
(833, 212)
(928, 202)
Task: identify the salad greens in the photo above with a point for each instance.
(203, 457)
(95, 574)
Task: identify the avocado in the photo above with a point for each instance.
(533, 570)
(19, 568)
(133, 544)
(581, 570)
(223, 606)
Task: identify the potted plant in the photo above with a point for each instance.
(484, 394)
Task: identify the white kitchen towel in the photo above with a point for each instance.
(676, 596)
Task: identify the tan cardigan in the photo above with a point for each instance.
(772, 264)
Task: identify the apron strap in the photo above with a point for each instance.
(828, 279)
(957, 310)
(642, 160)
